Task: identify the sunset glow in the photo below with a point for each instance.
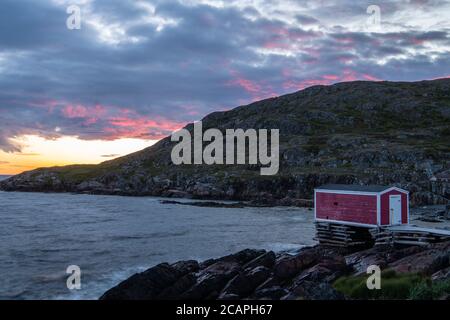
(40, 152)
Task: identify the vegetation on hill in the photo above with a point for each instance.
(354, 132)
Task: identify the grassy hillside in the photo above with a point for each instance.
(354, 132)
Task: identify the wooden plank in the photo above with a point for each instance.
(406, 228)
(341, 235)
(411, 242)
(340, 242)
(408, 235)
(413, 237)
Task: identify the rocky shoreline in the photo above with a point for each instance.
(239, 204)
(312, 273)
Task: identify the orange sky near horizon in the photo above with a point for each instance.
(40, 152)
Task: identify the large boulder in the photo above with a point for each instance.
(426, 262)
(211, 280)
(378, 255)
(266, 259)
(144, 285)
(180, 286)
(310, 290)
(325, 271)
(288, 266)
(245, 283)
(441, 275)
(240, 257)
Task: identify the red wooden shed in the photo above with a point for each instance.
(361, 205)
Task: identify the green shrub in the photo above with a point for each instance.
(422, 291)
(426, 290)
(398, 287)
(393, 286)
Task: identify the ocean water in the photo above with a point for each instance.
(112, 237)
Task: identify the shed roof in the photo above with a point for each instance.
(353, 187)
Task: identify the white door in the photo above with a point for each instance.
(395, 209)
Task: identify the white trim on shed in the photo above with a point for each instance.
(366, 193)
(357, 224)
(394, 188)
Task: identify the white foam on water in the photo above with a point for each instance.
(113, 237)
(92, 290)
(283, 247)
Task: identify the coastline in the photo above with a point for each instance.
(175, 196)
(313, 273)
(424, 215)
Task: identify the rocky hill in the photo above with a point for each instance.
(354, 132)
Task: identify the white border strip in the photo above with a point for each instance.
(361, 192)
(379, 209)
(364, 193)
(349, 223)
(394, 188)
(315, 205)
(407, 208)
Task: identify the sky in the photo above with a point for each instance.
(135, 71)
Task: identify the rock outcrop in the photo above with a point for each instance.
(257, 274)
(354, 133)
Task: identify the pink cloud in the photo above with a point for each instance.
(113, 122)
(348, 75)
(190, 110)
(144, 128)
(90, 114)
(327, 79)
(49, 104)
(417, 42)
(330, 77)
(77, 111)
(298, 85)
(345, 40)
(276, 45)
(257, 90)
(370, 77)
(246, 84)
(443, 77)
(280, 37)
(286, 72)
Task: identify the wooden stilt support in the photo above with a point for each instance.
(341, 235)
(408, 235)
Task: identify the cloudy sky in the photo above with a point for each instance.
(137, 70)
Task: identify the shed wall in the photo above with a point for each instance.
(346, 207)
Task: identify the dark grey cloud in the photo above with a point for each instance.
(143, 69)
